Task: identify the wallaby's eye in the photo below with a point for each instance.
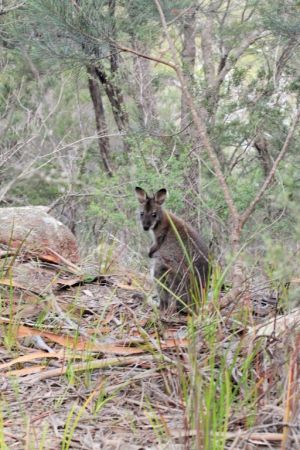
(154, 214)
(141, 213)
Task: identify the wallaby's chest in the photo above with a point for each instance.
(171, 246)
(153, 237)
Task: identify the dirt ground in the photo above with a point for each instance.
(86, 363)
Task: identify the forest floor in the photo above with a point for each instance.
(86, 363)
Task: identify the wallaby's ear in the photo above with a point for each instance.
(160, 196)
(141, 195)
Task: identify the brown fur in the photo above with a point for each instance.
(176, 272)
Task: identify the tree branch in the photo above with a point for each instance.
(245, 216)
(235, 54)
(199, 122)
(143, 55)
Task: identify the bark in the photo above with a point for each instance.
(247, 213)
(234, 55)
(116, 100)
(284, 57)
(112, 90)
(114, 56)
(208, 64)
(261, 145)
(100, 119)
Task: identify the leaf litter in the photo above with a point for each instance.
(112, 375)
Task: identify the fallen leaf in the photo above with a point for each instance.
(31, 356)
(88, 293)
(74, 343)
(68, 282)
(174, 343)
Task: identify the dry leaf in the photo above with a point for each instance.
(31, 356)
(75, 343)
(82, 344)
(88, 293)
(68, 282)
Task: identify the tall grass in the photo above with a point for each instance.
(215, 378)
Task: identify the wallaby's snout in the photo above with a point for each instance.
(149, 215)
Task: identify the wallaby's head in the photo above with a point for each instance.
(151, 212)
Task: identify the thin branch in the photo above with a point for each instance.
(224, 17)
(244, 18)
(199, 121)
(182, 13)
(272, 172)
(12, 8)
(235, 54)
(143, 55)
(170, 135)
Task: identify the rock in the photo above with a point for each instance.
(32, 229)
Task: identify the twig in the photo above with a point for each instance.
(143, 55)
(89, 365)
(240, 435)
(71, 266)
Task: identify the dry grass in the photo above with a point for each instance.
(89, 365)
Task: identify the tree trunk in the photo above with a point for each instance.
(116, 100)
(238, 219)
(142, 90)
(261, 145)
(208, 66)
(110, 83)
(101, 125)
(114, 56)
(188, 56)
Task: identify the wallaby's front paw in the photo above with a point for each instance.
(167, 308)
(152, 251)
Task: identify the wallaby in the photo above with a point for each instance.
(180, 255)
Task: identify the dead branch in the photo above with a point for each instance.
(89, 365)
(245, 216)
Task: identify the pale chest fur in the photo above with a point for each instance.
(152, 234)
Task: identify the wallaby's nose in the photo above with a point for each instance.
(146, 227)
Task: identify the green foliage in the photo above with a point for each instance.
(38, 191)
(282, 17)
(115, 201)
